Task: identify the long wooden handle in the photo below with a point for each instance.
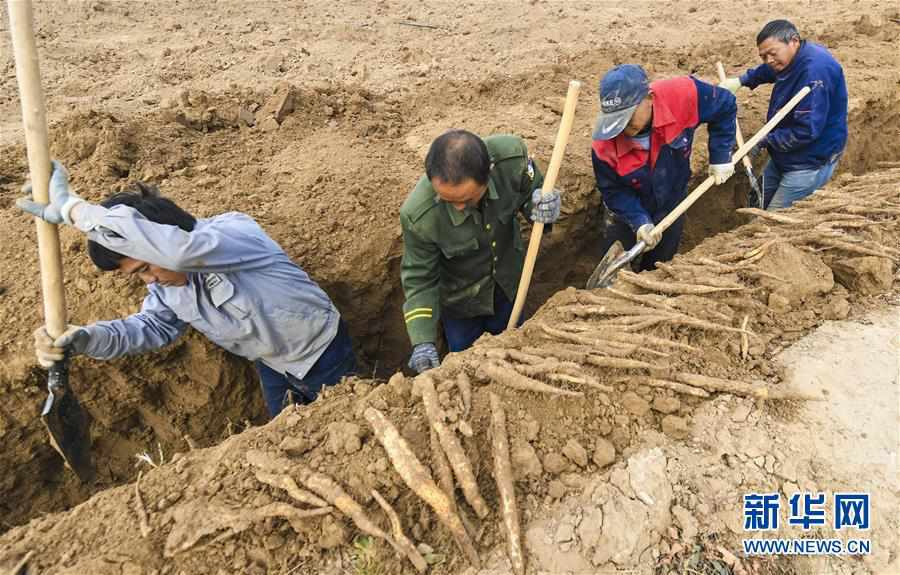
(537, 230)
(738, 135)
(34, 120)
(740, 153)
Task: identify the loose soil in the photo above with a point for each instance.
(314, 119)
(671, 413)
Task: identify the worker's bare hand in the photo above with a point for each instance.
(62, 199)
(48, 350)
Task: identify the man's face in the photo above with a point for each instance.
(465, 194)
(776, 54)
(640, 118)
(150, 273)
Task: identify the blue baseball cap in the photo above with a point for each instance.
(621, 90)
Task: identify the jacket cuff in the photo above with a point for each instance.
(639, 221)
(421, 326)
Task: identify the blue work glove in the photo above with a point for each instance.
(62, 200)
(545, 209)
(74, 340)
(424, 357)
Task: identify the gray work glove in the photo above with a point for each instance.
(424, 357)
(756, 150)
(545, 209)
(62, 199)
(645, 234)
(75, 339)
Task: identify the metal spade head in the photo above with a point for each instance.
(615, 259)
(755, 188)
(67, 423)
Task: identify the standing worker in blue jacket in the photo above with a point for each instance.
(641, 152)
(222, 275)
(805, 147)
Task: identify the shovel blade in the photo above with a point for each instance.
(68, 424)
(603, 275)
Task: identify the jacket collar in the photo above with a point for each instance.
(662, 116)
(795, 63)
(458, 217)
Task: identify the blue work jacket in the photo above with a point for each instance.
(642, 186)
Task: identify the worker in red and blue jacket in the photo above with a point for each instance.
(805, 147)
(641, 152)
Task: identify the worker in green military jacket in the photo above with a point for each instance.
(462, 250)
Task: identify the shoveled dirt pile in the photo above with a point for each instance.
(602, 391)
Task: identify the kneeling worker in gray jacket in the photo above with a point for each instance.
(222, 275)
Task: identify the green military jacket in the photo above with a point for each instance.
(452, 260)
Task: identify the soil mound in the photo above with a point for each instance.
(601, 391)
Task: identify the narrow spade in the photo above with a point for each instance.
(65, 419)
(739, 138)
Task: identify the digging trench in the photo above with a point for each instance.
(195, 395)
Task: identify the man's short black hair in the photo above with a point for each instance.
(146, 200)
(456, 156)
(782, 30)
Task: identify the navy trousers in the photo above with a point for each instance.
(280, 390)
(462, 333)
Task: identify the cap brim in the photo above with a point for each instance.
(610, 125)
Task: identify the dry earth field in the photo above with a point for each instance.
(314, 118)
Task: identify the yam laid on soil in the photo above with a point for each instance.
(672, 287)
(459, 462)
(503, 475)
(326, 487)
(409, 550)
(287, 483)
(506, 375)
(715, 384)
(417, 478)
(665, 384)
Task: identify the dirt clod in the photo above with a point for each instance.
(867, 275)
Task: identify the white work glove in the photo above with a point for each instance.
(545, 209)
(721, 172)
(62, 200)
(75, 339)
(424, 357)
(645, 234)
(731, 84)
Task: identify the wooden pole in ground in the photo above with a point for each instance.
(537, 230)
(34, 119)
